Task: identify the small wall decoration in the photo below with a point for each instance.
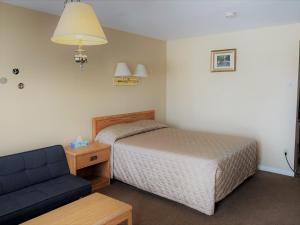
(15, 71)
(223, 60)
(3, 80)
(21, 85)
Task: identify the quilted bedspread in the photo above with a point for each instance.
(196, 169)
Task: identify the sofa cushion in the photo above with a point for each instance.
(34, 200)
(21, 170)
(12, 174)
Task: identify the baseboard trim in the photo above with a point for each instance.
(276, 170)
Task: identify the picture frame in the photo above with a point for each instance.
(223, 60)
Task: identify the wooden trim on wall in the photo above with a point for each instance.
(99, 123)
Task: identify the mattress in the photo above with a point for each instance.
(196, 169)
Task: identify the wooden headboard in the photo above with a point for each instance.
(104, 121)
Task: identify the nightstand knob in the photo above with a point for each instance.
(93, 158)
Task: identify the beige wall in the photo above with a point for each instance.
(258, 100)
(59, 101)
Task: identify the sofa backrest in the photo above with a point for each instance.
(24, 169)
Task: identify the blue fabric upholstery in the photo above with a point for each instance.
(32, 183)
(28, 168)
(34, 200)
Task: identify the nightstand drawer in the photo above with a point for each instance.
(89, 159)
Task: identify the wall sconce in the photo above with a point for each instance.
(123, 76)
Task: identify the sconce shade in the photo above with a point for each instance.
(122, 70)
(140, 71)
(78, 25)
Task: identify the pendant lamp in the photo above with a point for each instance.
(79, 25)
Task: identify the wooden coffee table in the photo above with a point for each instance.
(95, 209)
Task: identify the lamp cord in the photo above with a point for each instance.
(295, 172)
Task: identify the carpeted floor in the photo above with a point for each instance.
(264, 199)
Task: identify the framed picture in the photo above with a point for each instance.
(223, 60)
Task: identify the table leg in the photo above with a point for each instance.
(129, 221)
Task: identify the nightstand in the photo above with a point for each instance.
(91, 163)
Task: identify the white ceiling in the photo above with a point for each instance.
(172, 19)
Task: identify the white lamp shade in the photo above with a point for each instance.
(140, 71)
(122, 70)
(78, 25)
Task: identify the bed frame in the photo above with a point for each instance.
(100, 123)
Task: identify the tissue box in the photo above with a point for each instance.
(79, 144)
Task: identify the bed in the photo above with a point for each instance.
(196, 169)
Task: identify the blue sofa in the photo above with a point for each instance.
(35, 182)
